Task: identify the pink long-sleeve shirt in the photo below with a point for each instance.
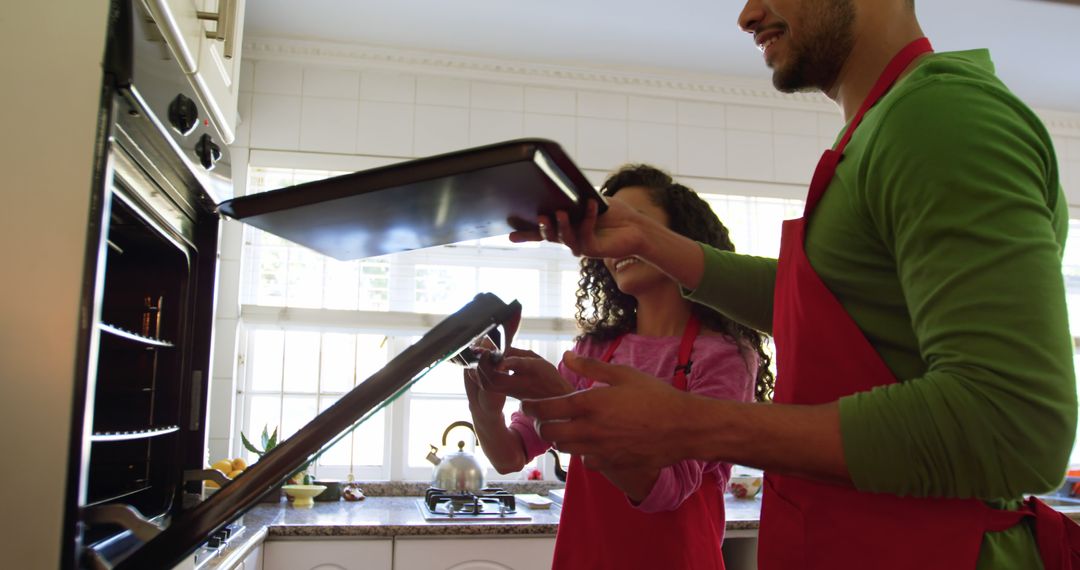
(720, 370)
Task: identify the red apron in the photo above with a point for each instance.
(599, 529)
(822, 356)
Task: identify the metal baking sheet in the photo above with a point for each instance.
(463, 195)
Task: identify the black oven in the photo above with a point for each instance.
(139, 417)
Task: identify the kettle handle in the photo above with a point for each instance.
(458, 424)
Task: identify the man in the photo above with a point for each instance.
(925, 376)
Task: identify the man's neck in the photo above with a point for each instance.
(877, 43)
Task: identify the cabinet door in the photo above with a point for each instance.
(467, 553)
(254, 559)
(366, 554)
(179, 24)
(217, 80)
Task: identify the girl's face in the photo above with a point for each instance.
(632, 275)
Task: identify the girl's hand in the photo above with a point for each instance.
(522, 374)
(619, 232)
(484, 403)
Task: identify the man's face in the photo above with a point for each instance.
(805, 42)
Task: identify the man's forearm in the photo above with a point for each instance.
(804, 441)
(674, 254)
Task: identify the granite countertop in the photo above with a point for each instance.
(389, 515)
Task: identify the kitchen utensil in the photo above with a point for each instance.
(458, 472)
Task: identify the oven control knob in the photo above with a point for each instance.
(208, 151)
(183, 114)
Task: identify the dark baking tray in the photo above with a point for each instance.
(467, 194)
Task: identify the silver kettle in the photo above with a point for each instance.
(459, 473)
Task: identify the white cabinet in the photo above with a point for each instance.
(217, 78)
(467, 553)
(328, 554)
(253, 560)
(208, 51)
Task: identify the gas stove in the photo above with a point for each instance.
(488, 504)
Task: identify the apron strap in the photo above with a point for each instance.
(686, 346)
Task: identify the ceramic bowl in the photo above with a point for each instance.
(303, 495)
(745, 486)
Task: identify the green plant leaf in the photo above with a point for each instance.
(273, 441)
(266, 438)
(248, 446)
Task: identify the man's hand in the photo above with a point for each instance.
(619, 232)
(635, 422)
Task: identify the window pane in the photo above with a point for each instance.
(369, 441)
(428, 418)
(443, 289)
(301, 361)
(265, 354)
(305, 278)
(269, 285)
(296, 412)
(338, 362)
(445, 378)
(510, 284)
(375, 286)
(263, 412)
(342, 284)
(372, 355)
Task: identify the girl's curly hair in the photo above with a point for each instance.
(604, 312)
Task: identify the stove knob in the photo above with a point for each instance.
(214, 542)
(183, 115)
(208, 151)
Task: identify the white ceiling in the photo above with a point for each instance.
(1035, 43)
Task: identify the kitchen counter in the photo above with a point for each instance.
(395, 516)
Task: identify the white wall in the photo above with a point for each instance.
(52, 80)
(335, 107)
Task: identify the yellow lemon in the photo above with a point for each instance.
(239, 464)
(233, 474)
(211, 485)
(224, 466)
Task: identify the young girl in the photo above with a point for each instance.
(632, 314)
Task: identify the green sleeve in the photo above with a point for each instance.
(739, 286)
(965, 190)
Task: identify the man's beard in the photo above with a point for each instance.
(827, 39)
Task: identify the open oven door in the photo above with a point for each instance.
(459, 331)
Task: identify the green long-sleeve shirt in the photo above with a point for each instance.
(941, 235)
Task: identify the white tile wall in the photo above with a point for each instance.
(791, 122)
(488, 126)
(652, 109)
(550, 101)
(653, 143)
(440, 129)
(275, 121)
(602, 105)
(498, 96)
(559, 128)
(391, 87)
(328, 125)
(442, 91)
(278, 77)
(746, 118)
(829, 125)
(702, 151)
(385, 129)
(601, 143)
(337, 83)
(795, 158)
(697, 114)
(750, 155)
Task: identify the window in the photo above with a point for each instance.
(346, 320)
